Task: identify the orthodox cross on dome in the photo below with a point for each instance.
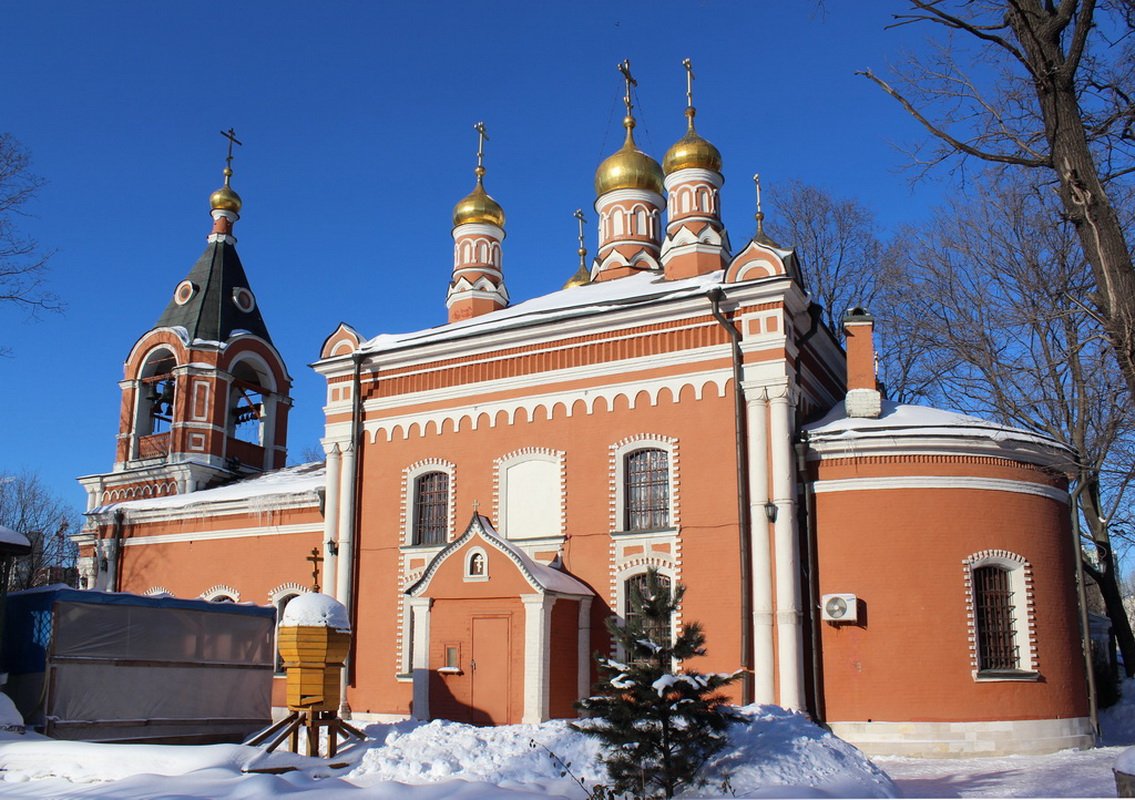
(482, 137)
(230, 134)
(582, 250)
(760, 214)
(689, 82)
(625, 68)
(315, 560)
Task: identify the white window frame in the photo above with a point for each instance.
(618, 471)
(621, 599)
(1024, 624)
(466, 567)
(410, 477)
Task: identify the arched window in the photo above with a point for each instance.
(994, 608)
(635, 589)
(646, 490)
(431, 508)
(640, 223)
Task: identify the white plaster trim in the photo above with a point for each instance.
(537, 656)
(940, 482)
(1024, 607)
(630, 195)
(500, 489)
(220, 589)
(956, 739)
(616, 476)
(410, 476)
(479, 229)
(234, 533)
(693, 175)
(601, 398)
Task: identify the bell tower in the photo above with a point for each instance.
(205, 394)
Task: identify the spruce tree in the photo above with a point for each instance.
(658, 726)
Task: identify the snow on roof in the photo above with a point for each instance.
(552, 579)
(11, 537)
(900, 419)
(304, 479)
(316, 610)
(567, 303)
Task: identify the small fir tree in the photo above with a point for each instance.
(658, 726)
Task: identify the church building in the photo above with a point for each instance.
(495, 487)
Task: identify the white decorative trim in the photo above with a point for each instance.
(235, 533)
(589, 400)
(1024, 606)
(213, 592)
(157, 591)
(953, 739)
(500, 488)
(285, 590)
(617, 465)
(467, 567)
(941, 482)
(409, 477)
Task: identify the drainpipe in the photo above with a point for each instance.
(114, 579)
(810, 559)
(348, 518)
(715, 296)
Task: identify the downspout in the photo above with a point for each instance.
(116, 576)
(349, 515)
(1085, 627)
(715, 296)
(808, 525)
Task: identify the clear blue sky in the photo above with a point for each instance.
(357, 122)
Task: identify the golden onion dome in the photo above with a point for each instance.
(477, 206)
(581, 278)
(628, 168)
(691, 151)
(225, 199)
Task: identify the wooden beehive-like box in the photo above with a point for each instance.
(313, 658)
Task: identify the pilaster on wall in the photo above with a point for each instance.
(537, 656)
(420, 609)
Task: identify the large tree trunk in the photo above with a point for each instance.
(1041, 35)
(1105, 575)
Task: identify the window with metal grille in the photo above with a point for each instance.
(993, 612)
(431, 508)
(634, 590)
(647, 490)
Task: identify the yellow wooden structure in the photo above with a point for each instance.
(313, 660)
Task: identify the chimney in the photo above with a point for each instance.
(863, 397)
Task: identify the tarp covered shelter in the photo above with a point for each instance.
(119, 667)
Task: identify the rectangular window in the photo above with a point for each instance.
(452, 657)
(647, 490)
(993, 611)
(431, 508)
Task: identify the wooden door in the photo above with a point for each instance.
(490, 661)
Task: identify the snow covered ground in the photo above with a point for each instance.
(776, 755)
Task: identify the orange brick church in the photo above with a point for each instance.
(495, 486)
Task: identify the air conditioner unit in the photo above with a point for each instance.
(839, 608)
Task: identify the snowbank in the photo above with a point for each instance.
(318, 610)
(774, 754)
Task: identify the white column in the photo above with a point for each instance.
(537, 652)
(345, 565)
(757, 425)
(420, 610)
(331, 520)
(789, 634)
(583, 647)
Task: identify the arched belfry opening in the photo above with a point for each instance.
(251, 423)
(156, 398)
